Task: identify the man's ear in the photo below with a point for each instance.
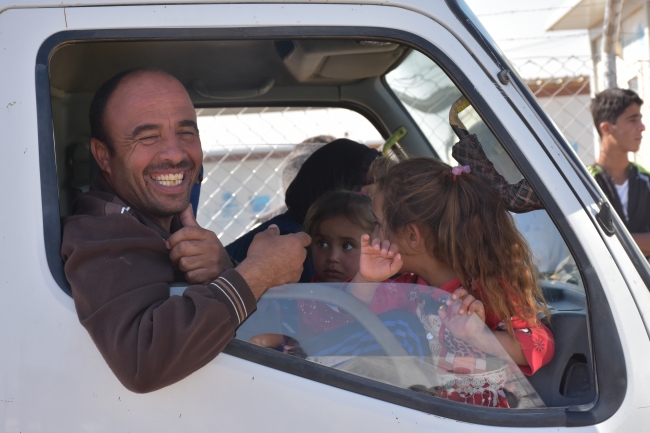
(102, 155)
(605, 127)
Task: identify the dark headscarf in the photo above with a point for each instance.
(341, 164)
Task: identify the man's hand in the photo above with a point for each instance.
(197, 251)
(274, 260)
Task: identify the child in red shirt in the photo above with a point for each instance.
(445, 228)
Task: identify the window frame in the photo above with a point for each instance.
(605, 343)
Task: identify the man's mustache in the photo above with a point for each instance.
(186, 164)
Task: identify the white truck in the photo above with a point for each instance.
(401, 63)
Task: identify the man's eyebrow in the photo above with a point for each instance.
(141, 128)
(188, 123)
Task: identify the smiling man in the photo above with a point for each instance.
(618, 120)
(134, 233)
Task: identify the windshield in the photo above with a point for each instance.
(427, 94)
(419, 343)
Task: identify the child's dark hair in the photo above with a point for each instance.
(609, 104)
(354, 206)
(465, 226)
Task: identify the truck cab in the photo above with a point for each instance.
(392, 65)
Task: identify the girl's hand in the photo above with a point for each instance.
(379, 260)
(465, 318)
(469, 305)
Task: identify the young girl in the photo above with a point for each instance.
(335, 223)
(445, 228)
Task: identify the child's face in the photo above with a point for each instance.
(336, 250)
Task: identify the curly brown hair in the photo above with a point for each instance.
(466, 227)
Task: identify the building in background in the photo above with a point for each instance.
(563, 87)
(633, 64)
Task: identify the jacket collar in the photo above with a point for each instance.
(101, 184)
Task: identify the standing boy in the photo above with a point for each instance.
(617, 116)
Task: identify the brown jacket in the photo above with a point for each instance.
(119, 269)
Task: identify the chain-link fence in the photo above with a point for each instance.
(563, 89)
(246, 149)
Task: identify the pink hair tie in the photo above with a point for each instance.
(458, 170)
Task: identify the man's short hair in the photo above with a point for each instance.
(100, 100)
(609, 104)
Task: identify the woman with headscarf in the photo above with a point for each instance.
(341, 164)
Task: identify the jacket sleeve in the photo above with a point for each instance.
(119, 271)
(519, 197)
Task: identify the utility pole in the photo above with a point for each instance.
(611, 29)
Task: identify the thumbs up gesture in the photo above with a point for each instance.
(197, 251)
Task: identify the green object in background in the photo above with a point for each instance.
(393, 139)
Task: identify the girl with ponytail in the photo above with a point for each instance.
(443, 227)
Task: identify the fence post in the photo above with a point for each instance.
(611, 28)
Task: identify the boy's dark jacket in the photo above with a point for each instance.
(638, 203)
(119, 268)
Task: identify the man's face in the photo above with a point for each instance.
(628, 129)
(152, 124)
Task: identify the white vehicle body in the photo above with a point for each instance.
(52, 377)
